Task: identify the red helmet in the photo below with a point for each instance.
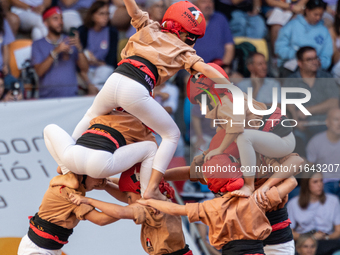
(188, 16)
(199, 81)
(227, 175)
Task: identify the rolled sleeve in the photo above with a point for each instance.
(81, 210)
(273, 198)
(141, 22)
(192, 210)
(189, 59)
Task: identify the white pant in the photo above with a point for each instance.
(30, 20)
(71, 18)
(122, 91)
(98, 75)
(98, 163)
(27, 247)
(265, 143)
(287, 248)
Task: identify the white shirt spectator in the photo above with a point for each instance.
(317, 216)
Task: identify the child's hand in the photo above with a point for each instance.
(144, 202)
(211, 154)
(77, 199)
(260, 194)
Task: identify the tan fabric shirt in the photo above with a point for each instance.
(161, 233)
(165, 50)
(128, 125)
(57, 208)
(225, 111)
(233, 218)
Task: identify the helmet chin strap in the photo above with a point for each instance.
(191, 39)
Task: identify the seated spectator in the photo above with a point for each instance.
(304, 30)
(14, 93)
(324, 148)
(324, 93)
(30, 14)
(73, 12)
(56, 57)
(277, 12)
(317, 213)
(244, 17)
(335, 34)
(217, 43)
(167, 96)
(330, 13)
(7, 37)
(100, 43)
(13, 19)
(262, 86)
(306, 244)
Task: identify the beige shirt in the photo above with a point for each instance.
(234, 218)
(165, 50)
(57, 208)
(128, 125)
(161, 233)
(225, 111)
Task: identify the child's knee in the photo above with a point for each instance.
(49, 129)
(243, 139)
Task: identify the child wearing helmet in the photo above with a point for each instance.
(152, 55)
(270, 139)
(160, 233)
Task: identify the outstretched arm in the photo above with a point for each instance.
(210, 72)
(99, 218)
(113, 210)
(114, 191)
(132, 9)
(181, 173)
(164, 206)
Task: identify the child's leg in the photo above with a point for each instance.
(57, 141)
(122, 159)
(104, 102)
(265, 143)
(154, 116)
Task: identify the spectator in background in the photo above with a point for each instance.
(323, 89)
(99, 40)
(315, 212)
(30, 14)
(119, 17)
(329, 14)
(335, 34)
(56, 57)
(306, 30)
(324, 148)
(218, 43)
(7, 37)
(306, 244)
(13, 19)
(14, 93)
(262, 86)
(278, 11)
(73, 12)
(156, 9)
(244, 17)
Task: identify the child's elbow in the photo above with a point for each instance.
(293, 182)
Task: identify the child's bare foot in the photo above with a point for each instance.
(154, 194)
(245, 191)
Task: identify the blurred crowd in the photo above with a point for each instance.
(75, 46)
